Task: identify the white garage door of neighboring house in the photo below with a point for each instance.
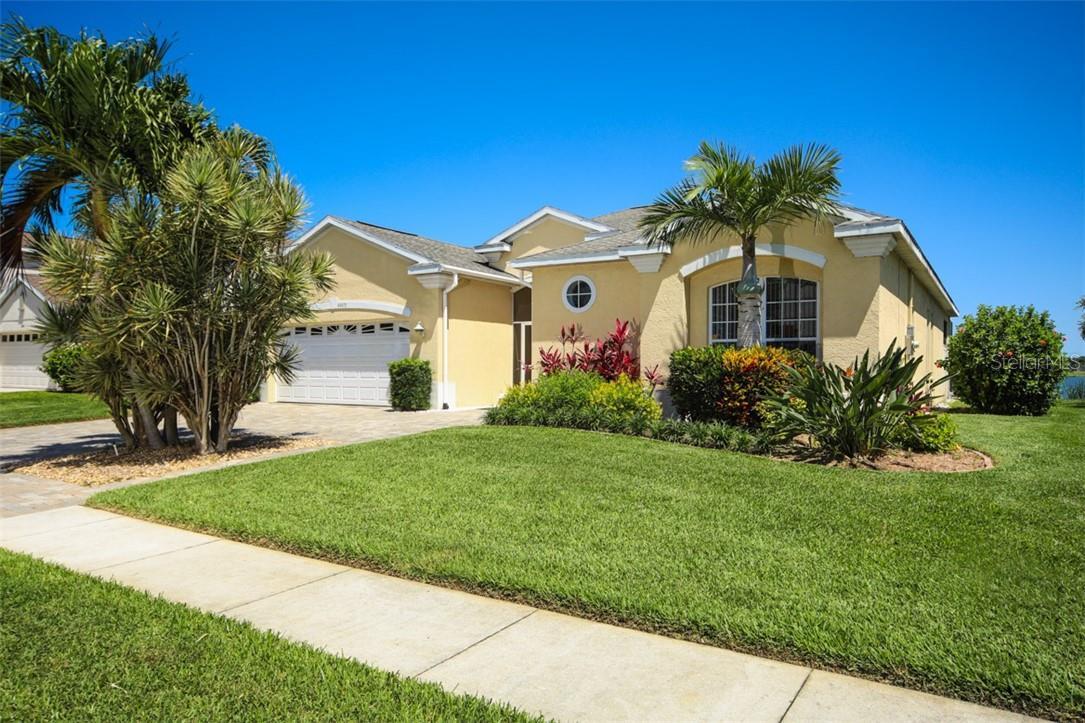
(20, 357)
(345, 363)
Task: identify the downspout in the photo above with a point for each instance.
(442, 396)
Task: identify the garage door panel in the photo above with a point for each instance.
(20, 361)
(345, 367)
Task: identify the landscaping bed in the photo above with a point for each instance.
(104, 466)
(25, 409)
(78, 648)
(965, 585)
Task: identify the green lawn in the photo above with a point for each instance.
(77, 648)
(23, 409)
(968, 585)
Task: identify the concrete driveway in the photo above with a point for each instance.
(22, 494)
(335, 423)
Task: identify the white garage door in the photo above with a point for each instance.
(20, 357)
(345, 363)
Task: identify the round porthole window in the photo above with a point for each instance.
(578, 294)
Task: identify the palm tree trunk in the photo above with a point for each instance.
(169, 425)
(749, 297)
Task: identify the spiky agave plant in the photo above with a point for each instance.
(854, 412)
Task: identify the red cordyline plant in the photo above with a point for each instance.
(610, 358)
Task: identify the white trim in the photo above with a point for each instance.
(546, 211)
(591, 258)
(527, 263)
(362, 305)
(735, 252)
(565, 288)
(332, 222)
(911, 247)
(20, 281)
(489, 248)
(879, 244)
(764, 311)
(645, 260)
(433, 267)
(442, 390)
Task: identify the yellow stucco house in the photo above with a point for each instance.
(479, 315)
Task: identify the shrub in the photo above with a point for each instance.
(726, 383)
(625, 400)
(580, 400)
(856, 412)
(410, 385)
(938, 434)
(61, 363)
(712, 435)
(1006, 360)
(610, 358)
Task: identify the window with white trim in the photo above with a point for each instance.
(789, 313)
(723, 314)
(578, 294)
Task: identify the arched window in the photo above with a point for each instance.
(789, 313)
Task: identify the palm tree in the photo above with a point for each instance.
(730, 192)
(86, 116)
(1081, 321)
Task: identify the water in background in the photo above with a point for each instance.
(1068, 382)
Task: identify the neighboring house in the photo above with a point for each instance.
(479, 315)
(21, 304)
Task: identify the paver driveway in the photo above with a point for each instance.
(20, 494)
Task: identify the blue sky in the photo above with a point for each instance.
(455, 120)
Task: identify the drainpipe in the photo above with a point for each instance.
(442, 396)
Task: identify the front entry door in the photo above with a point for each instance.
(521, 352)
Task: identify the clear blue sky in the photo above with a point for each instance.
(454, 121)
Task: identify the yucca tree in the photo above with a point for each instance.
(730, 192)
(190, 289)
(84, 115)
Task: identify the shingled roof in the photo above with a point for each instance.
(425, 252)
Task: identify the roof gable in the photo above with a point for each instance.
(427, 254)
(589, 225)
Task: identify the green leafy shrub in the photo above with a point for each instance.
(938, 434)
(62, 363)
(625, 399)
(580, 400)
(727, 384)
(712, 435)
(1006, 360)
(410, 383)
(858, 412)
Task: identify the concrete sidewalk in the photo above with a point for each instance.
(541, 662)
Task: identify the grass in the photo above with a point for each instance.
(967, 585)
(78, 648)
(23, 409)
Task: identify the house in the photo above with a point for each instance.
(834, 289)
(22, 302)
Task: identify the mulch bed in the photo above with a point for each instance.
(961, 459)
(99, 467)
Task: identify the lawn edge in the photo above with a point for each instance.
(148, 597)
(50, 422)
(900, 677)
